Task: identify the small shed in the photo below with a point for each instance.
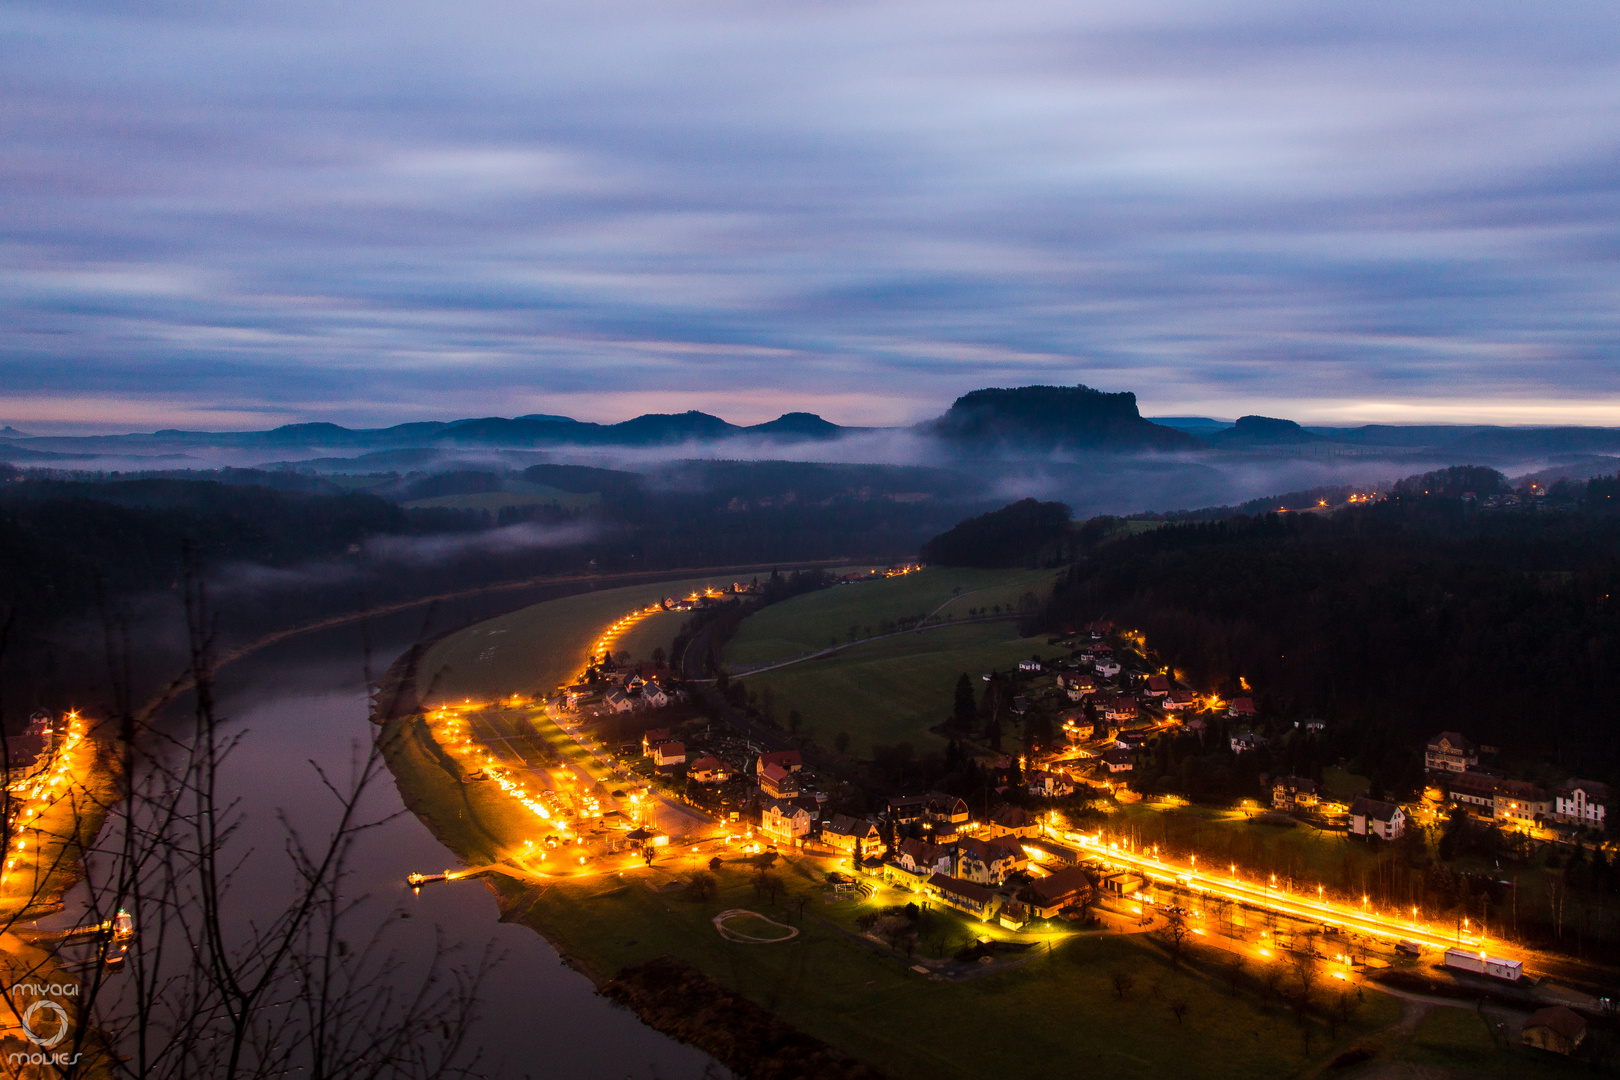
(1559, 1029)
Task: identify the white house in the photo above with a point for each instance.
(1580, 802)
(1369, 817)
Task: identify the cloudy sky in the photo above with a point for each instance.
(234, 213)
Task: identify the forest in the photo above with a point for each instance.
(1393, 620)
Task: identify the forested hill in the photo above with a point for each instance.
(1393, 620)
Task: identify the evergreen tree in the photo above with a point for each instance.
(966, 709)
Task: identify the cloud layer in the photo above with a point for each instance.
(236, 215)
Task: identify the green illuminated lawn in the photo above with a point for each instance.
(1056, 1016)
(895, 689)
(810, 622)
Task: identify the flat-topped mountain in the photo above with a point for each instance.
(1047, 418)
(1262, 431)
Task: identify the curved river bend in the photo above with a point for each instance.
(305, 700)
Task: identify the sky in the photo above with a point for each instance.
(237, 214)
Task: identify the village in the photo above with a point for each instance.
(660, 780)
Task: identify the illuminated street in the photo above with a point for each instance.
(1266, 896)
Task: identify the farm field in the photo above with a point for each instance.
(539, 648)
(813, 621)
(892, 690)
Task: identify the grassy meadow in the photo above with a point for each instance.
(812, 621)
(1053, 1016)
(537, 649)
(892, 690)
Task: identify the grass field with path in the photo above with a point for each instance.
(537, 649)
(892, 690)
(812, 621)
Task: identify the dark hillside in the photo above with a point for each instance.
(1394, 620)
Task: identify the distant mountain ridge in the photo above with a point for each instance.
(1013, 421)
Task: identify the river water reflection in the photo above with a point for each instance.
(305, 700)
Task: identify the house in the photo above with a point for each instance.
(1107, 668)
(668, 755)
(1009, 820)
(976, 900)
(1046, 851)
(784, 821)
(1013, 915)
(1029, 665)
(1130, 740)
(1519, 803)
(921, 857)
(940, 808)
(1099, 629)
(1242, 744)
(1450, 752)
(1241, 708)
(1179, 701)
(1476, 791)
(1121, 709)
(654, 696)
(789, 760)
(1369, 817)
(1158, 685)
(1289, 792)
(778, 783)
(987, 862)
(707, 770)
(1558, 1028)
(1581, 802)
(1048, 784)
(651, 739)
(1314, 726)
(1069, 887)
(1020, 704)
(30, 751)
(618, 701)
(1118, 760)
(1077, 686)
(905, 809)
(850, 834)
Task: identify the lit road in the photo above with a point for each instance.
(1259, 895)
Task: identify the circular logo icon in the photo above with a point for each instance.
(61, 1023)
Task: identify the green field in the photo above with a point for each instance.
(892, 690)
(537, 649)
(1461, 1038)
(810, 622)
(1055, 1016)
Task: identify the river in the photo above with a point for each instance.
(305, 700)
